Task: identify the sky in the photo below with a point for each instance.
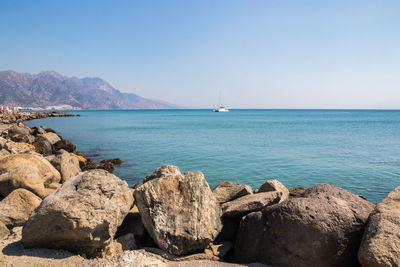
(258, 54)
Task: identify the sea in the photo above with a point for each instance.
(358, 150)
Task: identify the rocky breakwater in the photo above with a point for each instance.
(15, 117)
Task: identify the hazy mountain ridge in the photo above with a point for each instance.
(50, 88)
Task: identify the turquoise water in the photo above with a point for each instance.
(356, 150)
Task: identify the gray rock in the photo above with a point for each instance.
(380, 245)
(127, 242)
(322, 228)
(179, 212)
(163, 171)
(274, 185)
(17, 206)
(67, 165)
(250, 203)
(228, 191)
(82, 215)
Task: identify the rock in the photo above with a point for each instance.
(297, 191)
(179, 212)
(127, 242)
(228, 191)
(3, 142)
(17, 206)
(113, 161)
(65, 144)
(20, 134)
(81, 159)
(4, 232)
(222, 250)
(82, 215)
(88, 164)
(19, 148)
(322, 228)
(67, 165)
(380, 245)
(163, 171)
(4, 153)
(250, 203)
(108, 166)
(274, 185)
(43, 146)
(51, 136)
(28, 171)
(38, 130)
(132, 224)
(229, 228)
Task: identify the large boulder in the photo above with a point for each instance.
(67, 165)
(323, 228)
(17, 206)
(65, 144)
(163, 171)
(43, 146)
(52, 137)
(82, 215)
(274, 185)
(179, 212)
(20, 134)
(380, 245)
(228, 191)
(19, 148)
(28, 171)
(250, 203)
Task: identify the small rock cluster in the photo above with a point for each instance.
(65, 201)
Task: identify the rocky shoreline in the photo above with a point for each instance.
(58, 207)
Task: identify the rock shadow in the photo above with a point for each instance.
(17, 249)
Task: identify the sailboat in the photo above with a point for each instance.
(221, 108)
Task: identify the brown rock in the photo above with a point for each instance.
(297, 191)
(132, 224)
(19, 148)
(179, 212)
(82, 215)
(113, 161)
(274, 185)
(228, 191)
(163, 171)
(380, 245)
(43, 146)
(52, 137)
(322, 228)
(67, 165)
(17, 206)
(28, 171)
(65, 144)
(4, 232)
(250, 203)
(4, 153)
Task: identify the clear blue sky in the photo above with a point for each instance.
(260, 54)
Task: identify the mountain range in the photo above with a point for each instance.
(50, 89)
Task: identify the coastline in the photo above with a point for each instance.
(233, 230)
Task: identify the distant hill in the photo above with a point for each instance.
(50, 88)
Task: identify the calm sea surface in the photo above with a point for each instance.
(356, 150)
